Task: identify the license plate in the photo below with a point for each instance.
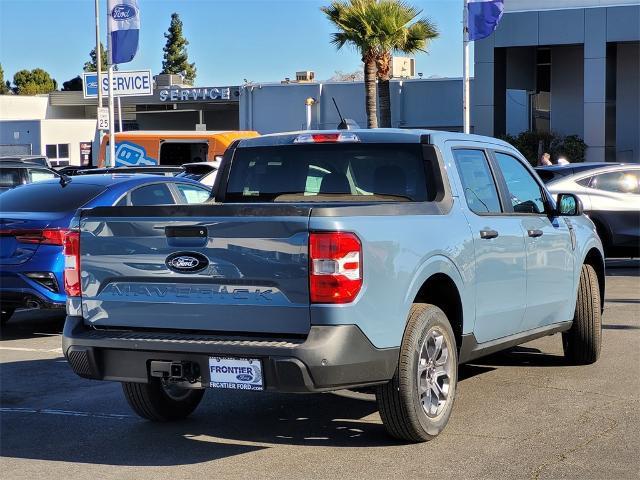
(236, 373)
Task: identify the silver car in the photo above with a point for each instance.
(610, 194)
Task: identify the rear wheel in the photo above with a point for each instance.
(582, 342)
(160, 401)
(6, 314)
(416, 404)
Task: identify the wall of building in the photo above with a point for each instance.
(558, 24)
(567, 90)
(71, 132)
(428, 103)
(18, 107)
(628, 103)
(19, 132)
(524, 5)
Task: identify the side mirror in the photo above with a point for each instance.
(569, 205)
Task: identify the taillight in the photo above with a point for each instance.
(72, 264)
(343, 137)
(48, 236)
(335, 263)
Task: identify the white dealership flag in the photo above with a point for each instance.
(124, 30)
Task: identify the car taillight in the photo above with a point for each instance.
(48, 236)
(335, 263)
(72, 264)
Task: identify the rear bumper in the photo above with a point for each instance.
(330, 358)
(19, 291)
(27, 298)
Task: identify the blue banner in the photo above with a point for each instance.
(484, 16)
(123, 30)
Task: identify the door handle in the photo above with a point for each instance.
(535, 233)
(488, 234)
(186, 232)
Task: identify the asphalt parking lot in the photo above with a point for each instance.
(518, 414)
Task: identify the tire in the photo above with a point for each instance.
(6, 314)
(582, 342)
(399, 401)
(158, 403)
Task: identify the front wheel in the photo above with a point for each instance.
(160, 401)
(582, 342)
(416, 404)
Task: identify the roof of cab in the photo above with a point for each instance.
(378, 135)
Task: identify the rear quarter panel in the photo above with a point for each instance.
(400, 252)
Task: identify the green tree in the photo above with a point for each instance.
(73, 85)
(355, 21)
(92, 65)
(176, 58)
(4, 87)
(33, 82)
(397, 29)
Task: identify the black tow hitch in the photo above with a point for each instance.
(177, 371)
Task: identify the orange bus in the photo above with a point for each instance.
(168, 147)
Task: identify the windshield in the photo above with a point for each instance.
(351, 172)
(48, 197)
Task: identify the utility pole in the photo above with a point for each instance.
(466, 98)
(98, 53)
(112, 130)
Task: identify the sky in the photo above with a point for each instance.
(230, 41)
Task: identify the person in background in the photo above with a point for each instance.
(544, 160)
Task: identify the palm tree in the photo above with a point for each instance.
(377, 29)
(396, 30)
(355, 21)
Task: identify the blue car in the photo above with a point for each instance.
(34, 219)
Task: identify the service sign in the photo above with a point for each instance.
(125, 83)
(194, 94)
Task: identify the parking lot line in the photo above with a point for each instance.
(69, 413)
(24, 349)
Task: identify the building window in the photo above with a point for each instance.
(61, 150)
(52, 151)
(541, 103)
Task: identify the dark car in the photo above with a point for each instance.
(37, 159)
(555, 172)
(165, 170)
(203, 172)
(14, 173)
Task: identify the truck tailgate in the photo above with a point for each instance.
(224, 268)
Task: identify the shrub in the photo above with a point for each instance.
(571, 147)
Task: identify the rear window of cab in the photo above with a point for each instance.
(329, 172)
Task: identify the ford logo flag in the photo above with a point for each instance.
(124, 30)
(123, 12)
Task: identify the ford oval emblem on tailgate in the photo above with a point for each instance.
(187, 262)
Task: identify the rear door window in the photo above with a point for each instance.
(39, 174)
(324, 172)
(623, 181)
(479, 186)
(192, 193)
(49, 197)
(156, 194)
(10, 177)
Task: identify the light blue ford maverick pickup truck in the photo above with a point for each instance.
(331, 260)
